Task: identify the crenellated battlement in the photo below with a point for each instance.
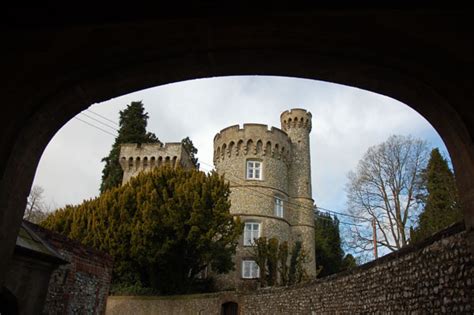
(136, 157)
(249, 128)
(251, 140)
(296, 118)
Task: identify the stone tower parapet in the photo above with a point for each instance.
(136, 157)
(233, 146)
(252, 139)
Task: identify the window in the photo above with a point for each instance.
(254, 170)
(251, 232)
(278, 207)
(250, 269)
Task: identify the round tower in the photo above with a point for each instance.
(255, 160)
(297, 124)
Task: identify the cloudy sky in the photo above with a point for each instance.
(346, 122)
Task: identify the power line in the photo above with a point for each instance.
(247, 187)
(103, 117)
(100, 122)
(94, 126)
(271, 196)
(344, 214)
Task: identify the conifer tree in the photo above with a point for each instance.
(272, 256)
(329, 254)
(261, 257)
(441, 199)
(132, 122)
(272, 261)
(192, 150)
(163, 228)
(283, 262)
(330, 257)
(296, 271)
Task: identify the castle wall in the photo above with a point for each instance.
(434, 277)
(135, 158)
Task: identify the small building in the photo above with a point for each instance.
(26, 283)
(52, 274)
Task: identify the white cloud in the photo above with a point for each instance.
(346, 121)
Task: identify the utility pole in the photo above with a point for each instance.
(374, 236)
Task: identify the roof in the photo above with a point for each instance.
(61, 243)
(31, 244)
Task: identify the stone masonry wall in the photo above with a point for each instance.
(436, 276)
(82, 285)
(136, 158)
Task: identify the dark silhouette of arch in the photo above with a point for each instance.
(434, 82)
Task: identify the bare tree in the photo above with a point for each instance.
(36, 209)
(383, 190)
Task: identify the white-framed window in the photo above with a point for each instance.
(278, 207)
(254, 169)
(250, 269)
(251, 233)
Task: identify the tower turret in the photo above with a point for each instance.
(297, 124)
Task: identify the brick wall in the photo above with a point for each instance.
(82, 286)
(436, 276)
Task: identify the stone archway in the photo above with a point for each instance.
(56, 68)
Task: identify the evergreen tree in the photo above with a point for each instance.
(133, 122)
(441, 199)
(163, 228)
(272, 261)
(329, 254)
(192, 150)
(330, 257)
(296, 271)
(261, 258)
(283, 252)
(272, 256)
(349, 262)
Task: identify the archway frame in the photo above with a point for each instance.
(60, 71)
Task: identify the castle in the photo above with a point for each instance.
(269, 171)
